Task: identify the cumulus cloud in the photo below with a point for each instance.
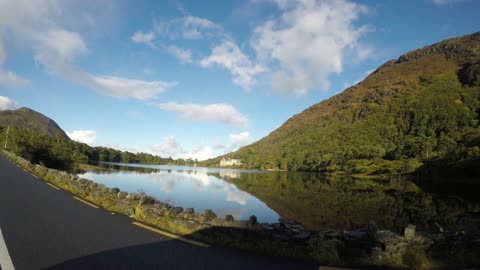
(308, 42)
(218, 112)
(171, 148)
(229, 56)
(57, 49)
(184, 55)
(7, 104)
(127, 88)
(187, 27)
(235, 141)
(84, 136)
(144, 38)
(240, 139)
(9, 78)
(202, 152)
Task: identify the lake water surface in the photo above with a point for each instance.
(317, 201)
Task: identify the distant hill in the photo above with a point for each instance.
(25, 118)
(422, 107)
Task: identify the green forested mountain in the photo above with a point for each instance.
(59, 153)
(420, 109)
(25, 118)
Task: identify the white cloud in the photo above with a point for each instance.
(7, 104)
(85, 136)
(171, 148)
(229, 56)
(144, 38)
(127, 88)
(202, 152)
(308, 42)
(187, 27)
(123, 148)
(237, 196)
(241, 139)
(9, 78)
(66, 45)
(235, 141)
(207, 112)
(55, 48)
(184, 55)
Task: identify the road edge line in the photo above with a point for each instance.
(85, 202)
(171, 235)
(5, 259)
(53, 186)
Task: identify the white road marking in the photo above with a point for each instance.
(5, 260)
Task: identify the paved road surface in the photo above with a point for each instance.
(45, 228)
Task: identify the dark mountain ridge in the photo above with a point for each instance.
(25, 118)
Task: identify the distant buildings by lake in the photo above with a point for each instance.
(230, 162)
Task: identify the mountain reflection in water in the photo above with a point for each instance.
(317, 201)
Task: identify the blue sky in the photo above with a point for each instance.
(199, 79)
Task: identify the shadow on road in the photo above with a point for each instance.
(174, 254)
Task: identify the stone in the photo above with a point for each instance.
(133, 196)
(470, 74)
(189, 211)
(229, 218)
(356, 235)
(209, 215)
(409, 232)
(145, 199)
(372, 229)
(267, 227)
(295, 227)
(285, 221)
(174, 211)
(279, 227)
(252, 221)
(301, 236)
(122, 195)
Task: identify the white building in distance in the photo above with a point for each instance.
(230, 162)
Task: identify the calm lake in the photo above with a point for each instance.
(314, 200)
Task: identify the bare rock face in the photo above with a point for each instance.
(470, 74)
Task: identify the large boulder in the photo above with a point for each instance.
(229, 218)
(470, 74)
(174, 211)
(209, 215)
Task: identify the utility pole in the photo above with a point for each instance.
(6, 138)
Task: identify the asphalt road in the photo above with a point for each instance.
(45, 228)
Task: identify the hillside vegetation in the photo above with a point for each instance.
(25, 118)
(58, 153)
(420, 109)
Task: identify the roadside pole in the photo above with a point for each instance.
(6, 138)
